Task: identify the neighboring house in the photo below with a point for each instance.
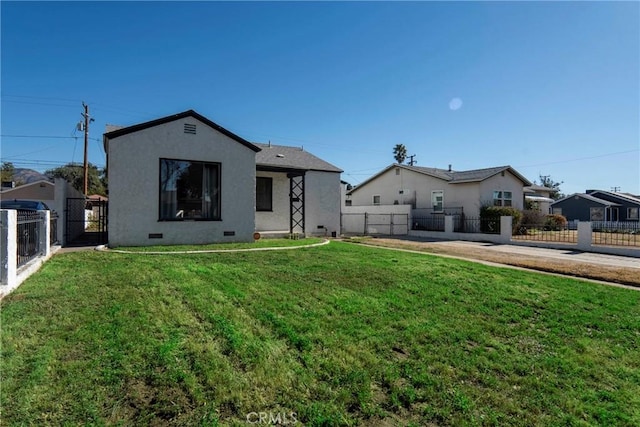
(538, 198)
(43, 191)
(442, 190)
(598, 205)
(183, 179)
(345, 187)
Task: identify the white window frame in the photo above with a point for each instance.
(631, 216)
(435, 203)
(500, 198)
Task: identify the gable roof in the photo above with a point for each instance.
(539, 188)
(452, 177)
(478, 175)
(586, 197)
(621, 196)
(189, 113)
(40, 183)
(280, 157)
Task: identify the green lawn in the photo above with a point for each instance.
(339, 334)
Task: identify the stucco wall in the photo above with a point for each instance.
(134, 175)
(321, 199)
(508, 182)
(322, 203)
(64, 190)
(278, 218)
(416, 187)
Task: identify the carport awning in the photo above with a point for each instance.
(538, 199)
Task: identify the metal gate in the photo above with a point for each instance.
(390, 224)
(86, 222)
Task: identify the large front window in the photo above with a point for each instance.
(189, 190)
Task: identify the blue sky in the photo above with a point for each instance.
(548, 88)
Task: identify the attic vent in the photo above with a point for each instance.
(189, 128)
(280, 155)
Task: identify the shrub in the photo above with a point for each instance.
(555, 222)
(490, 217)
(533, 217)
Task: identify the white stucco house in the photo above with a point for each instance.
(441, 190)
(183, 179)
(539, 197)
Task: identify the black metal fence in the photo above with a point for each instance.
(53, 228)
(545, 233)
(28, 236)
(476, 225)
(433, 219)
(611, 233)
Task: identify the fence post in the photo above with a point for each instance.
(584, 235)
(8, 248)
(505, 229)
(448, 224)
(366, 216)
(44, 233)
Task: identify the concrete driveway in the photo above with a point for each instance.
(558, 254)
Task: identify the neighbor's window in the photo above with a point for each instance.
(347, 202)
(502, 198)
(596, 214)
(557, 211)
(437, 201)
(189, 190)
(376, 200)
(264, 194)
(632, 213)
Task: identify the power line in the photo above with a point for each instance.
(47, 136)
(37, 103)
(41, 97)
(44, 163)
(30, 152)
(580, 158)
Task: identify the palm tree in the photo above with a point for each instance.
(400, 153)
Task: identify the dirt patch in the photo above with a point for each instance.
(614, 274)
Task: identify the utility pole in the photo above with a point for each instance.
(615, 189)
(411, 161)
(86, 148)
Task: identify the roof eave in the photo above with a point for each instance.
(168, 119)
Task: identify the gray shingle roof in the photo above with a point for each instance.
(624, 196)
(587, 197)
(465, 176)
(282, 156)
(453, 177)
